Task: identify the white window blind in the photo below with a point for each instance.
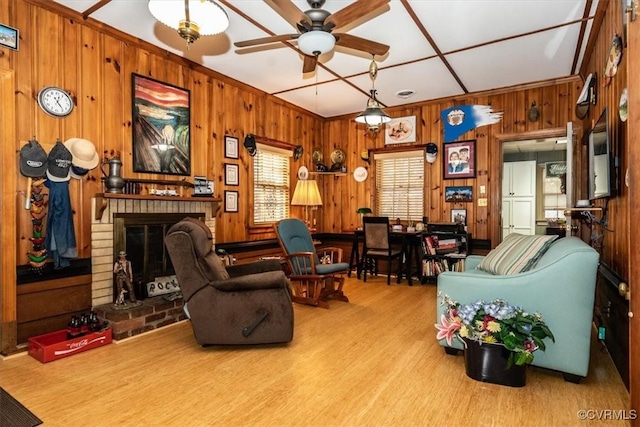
(270, 184)
(400, 185)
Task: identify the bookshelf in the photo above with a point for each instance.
(445, 247)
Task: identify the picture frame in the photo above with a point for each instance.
(230, 201)
(459, 216)
(231, 147)
(231, 174)
(458, 194)
(459, 159)
(161, 127)
(9, 37)
(400, 130)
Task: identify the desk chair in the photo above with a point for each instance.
(377, 245)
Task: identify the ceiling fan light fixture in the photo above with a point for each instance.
(178, 14)
(316, 42)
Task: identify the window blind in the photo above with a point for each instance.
(400, 185)
(270, 184)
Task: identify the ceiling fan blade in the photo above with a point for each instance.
(350, 13)
(264, 40)
(309, 64)
(289, 12)
(358, 43)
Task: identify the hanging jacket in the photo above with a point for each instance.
(60, 239)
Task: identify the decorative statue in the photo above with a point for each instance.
(124, 280)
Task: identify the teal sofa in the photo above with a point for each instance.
(561, 286)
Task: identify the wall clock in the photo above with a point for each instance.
(55, 102)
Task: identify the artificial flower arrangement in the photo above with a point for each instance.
(496, 322)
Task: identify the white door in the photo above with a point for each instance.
(523, 178)
(523, 215)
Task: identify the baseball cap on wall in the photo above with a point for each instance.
(33, 160)
(59, 163)
(432, 150)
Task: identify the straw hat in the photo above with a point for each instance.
(84, 153)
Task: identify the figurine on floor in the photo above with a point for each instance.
(124, 279)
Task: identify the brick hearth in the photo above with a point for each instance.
(154, 313)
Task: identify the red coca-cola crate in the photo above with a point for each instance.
(55, 345)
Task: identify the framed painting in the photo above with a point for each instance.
(231, 147)
(458, 194)
(231, 174)
(231, 201)
(400, 130)
(459, 216)
(161, 127)
(9, 37)
(459, 160)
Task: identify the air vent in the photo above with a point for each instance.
(404, 94)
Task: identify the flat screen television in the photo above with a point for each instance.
(601, 167)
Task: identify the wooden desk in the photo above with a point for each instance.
(411, 249)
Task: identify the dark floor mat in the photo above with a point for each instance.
(13, 414)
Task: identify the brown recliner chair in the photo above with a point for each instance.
(243, 304)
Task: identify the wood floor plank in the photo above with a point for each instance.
(371, 362)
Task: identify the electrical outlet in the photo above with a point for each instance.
(601, 333)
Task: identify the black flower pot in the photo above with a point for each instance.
(487, 362)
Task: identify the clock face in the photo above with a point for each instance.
(55, 101)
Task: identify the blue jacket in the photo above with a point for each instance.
(60, 239)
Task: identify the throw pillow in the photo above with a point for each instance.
(516, 254)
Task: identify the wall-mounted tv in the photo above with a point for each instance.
(601, 166)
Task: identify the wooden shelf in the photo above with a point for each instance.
(329, 173)
(102, 200)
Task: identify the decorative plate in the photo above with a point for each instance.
(338, 156)
(360, 174)
(623, 107)
(316, 155)
(615, 55)
(303, 173)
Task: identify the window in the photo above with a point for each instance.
(270, 184)
(400, 185)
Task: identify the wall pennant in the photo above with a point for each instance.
(461, 119)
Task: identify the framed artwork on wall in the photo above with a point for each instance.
(400, 130)
(459, 216)
(9, 37)
(459, 160)
(231, 174)
(161, 127)
(231, 201)
(231, 147)
(458, 194)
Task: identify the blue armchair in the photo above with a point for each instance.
(561, 286)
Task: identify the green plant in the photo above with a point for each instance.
(496, 322)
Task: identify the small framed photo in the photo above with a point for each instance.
(459, 160)
(9, 37)
(231, 147)
(459, 216)
(458, 194)
(231, 201)
(231, 174)
(400, 130)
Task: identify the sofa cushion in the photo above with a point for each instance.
(517, 253)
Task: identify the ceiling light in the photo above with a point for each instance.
(404, 94)
(316, 42)
(373, 116)
(177, 14)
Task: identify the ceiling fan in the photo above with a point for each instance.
(316, 29)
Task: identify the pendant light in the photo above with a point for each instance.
(373, 116)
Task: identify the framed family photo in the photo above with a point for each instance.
(161, 123)
(459, 216)
(459, 160)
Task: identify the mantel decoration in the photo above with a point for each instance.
(495, 325)
(161, 121)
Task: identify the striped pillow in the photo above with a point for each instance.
(517, 253)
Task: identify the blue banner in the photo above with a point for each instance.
(461, 119)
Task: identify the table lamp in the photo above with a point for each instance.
(306, 194)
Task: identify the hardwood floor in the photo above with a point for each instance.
(373, 361)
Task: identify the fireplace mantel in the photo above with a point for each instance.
(102, 201)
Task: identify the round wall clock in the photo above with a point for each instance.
(55, 102)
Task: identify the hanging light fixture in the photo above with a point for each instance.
(373, 116)
(177, 14)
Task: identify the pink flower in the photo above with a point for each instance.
(447, 328)
(530, 346)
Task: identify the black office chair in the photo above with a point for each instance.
(377, 245)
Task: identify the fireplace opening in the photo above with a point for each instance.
(141, 236)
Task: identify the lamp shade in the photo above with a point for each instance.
(373, 115)
(208, 17)
(306, 194)
(316, 42)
